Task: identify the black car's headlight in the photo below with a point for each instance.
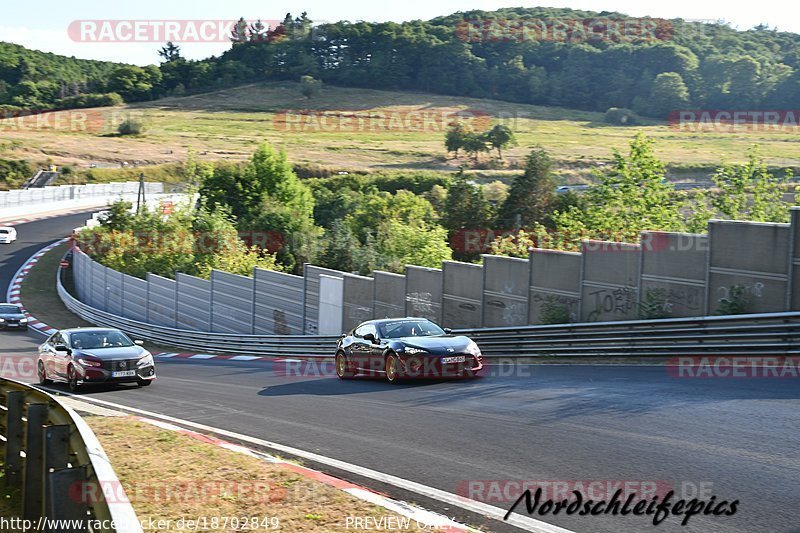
(472, 348)
(414, 351)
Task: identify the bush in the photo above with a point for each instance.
(554, 311)
(131, 126)
(91, 100)
(621, 116)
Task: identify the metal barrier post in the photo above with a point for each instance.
(12, 459)
(33, 484)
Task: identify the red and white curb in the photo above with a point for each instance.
(207, 356)
(424, 518)
(13, 293)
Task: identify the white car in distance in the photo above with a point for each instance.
(7, 234)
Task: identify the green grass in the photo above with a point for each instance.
(228, 124)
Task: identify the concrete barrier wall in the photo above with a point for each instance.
(358, 294)
(505, 291)
(669, 275)
(555, 283)
(135, 291)
(462, 295)
(97, 294)
(23, 202)
(311, 274)
(424, 292)
(193, 308)
(390, 294)
(331, 296)
(114, 292)
(278, 303)
(751, 257)
(610, 284)
(673, 277)
(231, 303)
(793, 296)
(161, 301)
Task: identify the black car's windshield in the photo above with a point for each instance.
(86, 340)
(9, 310)
(409, 328)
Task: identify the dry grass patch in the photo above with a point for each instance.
(169, 476)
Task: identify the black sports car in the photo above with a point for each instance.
(12, 317)
(94, 355)
(406, 348)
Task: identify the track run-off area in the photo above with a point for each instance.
(553, 425)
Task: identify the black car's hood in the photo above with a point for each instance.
(438, 345)
(112, 354)
(12, 316)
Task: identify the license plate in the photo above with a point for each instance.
(123, 374)
(454, 359)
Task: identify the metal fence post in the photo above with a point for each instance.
(12, 459)
(33, 483)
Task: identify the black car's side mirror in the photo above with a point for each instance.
(448, 331)
(61, 348)
(369, 337)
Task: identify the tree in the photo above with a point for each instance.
(474, 144)
(309, 86)
(500, 136)
(748, 191)
(170, 52)
(465, 208)
(669, 93)
(632, 196)
(455, 137)
(240, 32)
(532, 194)
(401, 244)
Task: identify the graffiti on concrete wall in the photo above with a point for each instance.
(620, 301)
(421, 302)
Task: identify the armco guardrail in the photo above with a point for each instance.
(754, 335)
(747, 335)
(289, 345)
(48, 453)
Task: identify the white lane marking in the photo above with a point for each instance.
(521, 521)
(202, 356)
(244, 358)
(165, 355)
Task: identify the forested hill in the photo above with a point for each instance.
(563, 57)
(30, 78)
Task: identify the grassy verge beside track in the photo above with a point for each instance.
(169, 476)
(39, 294)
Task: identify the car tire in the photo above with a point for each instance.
(72, 379)
(343, 370)
(42, 373)
(144, 382)
(392, 369)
